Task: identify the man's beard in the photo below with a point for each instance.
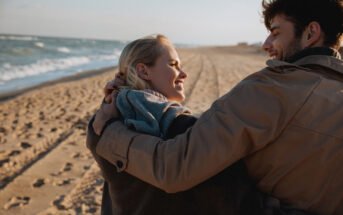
(293, 47)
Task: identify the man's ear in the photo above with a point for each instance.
(142, 71)
(312, 35)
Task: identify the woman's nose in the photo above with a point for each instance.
(183, 74)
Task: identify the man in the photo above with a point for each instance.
(285, 121)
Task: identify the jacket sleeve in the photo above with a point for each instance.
(238, 124)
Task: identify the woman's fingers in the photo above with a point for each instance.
(118, 82)
(114, 95)
(119, 79)
(108, 98)
(109, 87)
(114, 84)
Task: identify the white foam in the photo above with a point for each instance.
(63, 49)
(7, 65)
(43, 66)
(115, 55)
(10, 72)
(39, 44)
(25, 38)
(106, 57)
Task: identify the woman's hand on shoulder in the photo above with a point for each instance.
(106, 112)
(113, 85)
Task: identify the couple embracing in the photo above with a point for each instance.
(272, 145)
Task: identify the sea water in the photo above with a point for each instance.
(29, 60)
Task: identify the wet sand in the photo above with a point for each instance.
(45, 167)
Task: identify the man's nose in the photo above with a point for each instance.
(267, 45)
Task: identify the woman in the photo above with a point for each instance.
(154, 80)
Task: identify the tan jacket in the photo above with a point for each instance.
(286, 121)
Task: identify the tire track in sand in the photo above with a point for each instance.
(205, 90)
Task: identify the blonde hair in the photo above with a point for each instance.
(145, 50)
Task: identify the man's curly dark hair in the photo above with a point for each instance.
(328, 13)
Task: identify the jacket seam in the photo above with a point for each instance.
(296, 112)
(316, 131)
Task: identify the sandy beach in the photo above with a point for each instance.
(45, 167)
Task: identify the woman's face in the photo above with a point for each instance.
(166, 75)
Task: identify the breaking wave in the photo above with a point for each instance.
(9, 72)
(25, 38)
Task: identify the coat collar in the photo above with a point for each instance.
(330, 61)
(314, 51)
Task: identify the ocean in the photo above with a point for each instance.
(30, 60)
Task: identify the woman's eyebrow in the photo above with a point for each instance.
(173, 60)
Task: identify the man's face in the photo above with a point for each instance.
(281, 42)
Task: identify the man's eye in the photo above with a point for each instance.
(275, 34)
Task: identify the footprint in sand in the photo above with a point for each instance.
(81, 156)
(67, 167)
(62, 182)
(16, 201)
(39, 182)
(28, 125)
(73, 143)
(88, 209)
(58, 202)
(41, 115)
(14, 152)
(3, 130)
(2, 161)
(25, 145)
(76, 155)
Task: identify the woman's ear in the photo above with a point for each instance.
(142, 71)
(312, 36)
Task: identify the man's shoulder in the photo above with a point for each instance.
(307, 64)
(279, 80)
(280, 73)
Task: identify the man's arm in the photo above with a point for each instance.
(241, 122)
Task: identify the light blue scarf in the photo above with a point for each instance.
(148, 111)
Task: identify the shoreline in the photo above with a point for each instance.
(85, 74)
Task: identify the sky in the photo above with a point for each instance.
(197, 22)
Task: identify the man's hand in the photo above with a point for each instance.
(113, 85)
(106, 112)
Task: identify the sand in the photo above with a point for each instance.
(45, 167)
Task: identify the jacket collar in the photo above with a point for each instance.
(313, 56)
(313, 51)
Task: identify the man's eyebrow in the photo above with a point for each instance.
(273, 28)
